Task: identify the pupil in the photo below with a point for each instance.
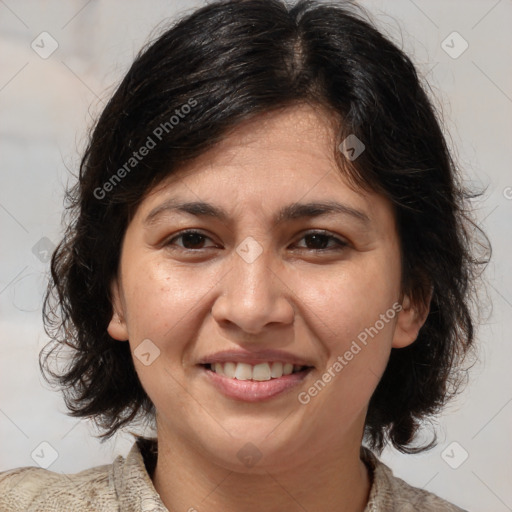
(192, 239)
(318, 237)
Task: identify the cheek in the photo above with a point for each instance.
(164, 302)
(350, 299)
(165, 305)
(355, 320)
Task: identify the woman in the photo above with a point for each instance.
(196, 295)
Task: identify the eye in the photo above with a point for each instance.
(191, 239)
(319, 240)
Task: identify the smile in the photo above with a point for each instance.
(258, 372)
(254, 383)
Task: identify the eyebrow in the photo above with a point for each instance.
(290, 212)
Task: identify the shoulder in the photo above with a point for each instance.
(123, 485)
(390, 493)
(36, 489)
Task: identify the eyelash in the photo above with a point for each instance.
(341, 244)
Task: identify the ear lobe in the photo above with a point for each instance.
(117, 327)
(410, 320)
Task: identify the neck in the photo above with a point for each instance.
(334, 481)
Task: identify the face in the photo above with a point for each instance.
(217, 318)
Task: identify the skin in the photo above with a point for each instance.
(314, 304)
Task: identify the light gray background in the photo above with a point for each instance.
(46, 107)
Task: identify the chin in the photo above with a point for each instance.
(256, 448)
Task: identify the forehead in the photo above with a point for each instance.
(275, 158)
(291, 138)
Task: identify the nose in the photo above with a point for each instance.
(254, 294)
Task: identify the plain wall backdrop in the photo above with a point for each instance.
(53, 84)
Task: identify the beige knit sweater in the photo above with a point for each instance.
(126, 486)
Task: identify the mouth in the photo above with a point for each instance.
(254, 382)
(259, 372)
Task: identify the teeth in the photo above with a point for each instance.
(243, 371)
(229, 369)
(287, 369)
(276, 370)
(258, 372)
(261, 372)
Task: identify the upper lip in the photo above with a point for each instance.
(253, 358)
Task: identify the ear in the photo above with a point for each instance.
(410, 320)
(117, 327)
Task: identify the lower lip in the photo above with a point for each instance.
(255, 391)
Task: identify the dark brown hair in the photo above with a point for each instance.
(218, 66)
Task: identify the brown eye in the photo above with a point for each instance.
(190, 240)
(315, 241)
(318, 241)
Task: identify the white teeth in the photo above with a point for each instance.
(258, 372)
(261, 372)
(287, 369)
(277, 370)
(229, 369)
(243, 371)
(219, 369)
